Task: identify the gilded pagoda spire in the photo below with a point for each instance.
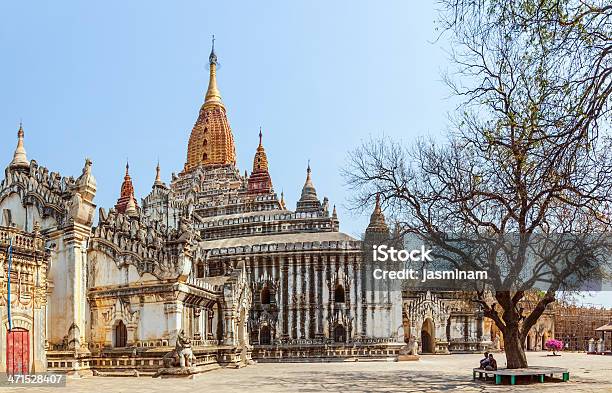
(213, 96)
(260, 162)
(211, 143)
(20, 159)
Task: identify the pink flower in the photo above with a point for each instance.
(555, 345)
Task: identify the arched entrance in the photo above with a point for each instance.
(427, 336)
(120, 335)
(339, 334)
(264, 335)
(17, 351)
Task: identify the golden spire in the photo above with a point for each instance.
(282, 201)
(20, 159)
(213, 96)
(211, 143)
(260, 161)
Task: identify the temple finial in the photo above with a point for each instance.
(158, 181)
(20, 159)
(127, 192)
(260, 135)
(212, 59)
(213, 96)
(377, 219)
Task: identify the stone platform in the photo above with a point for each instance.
(432, 374)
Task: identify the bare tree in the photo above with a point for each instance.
(522, 186)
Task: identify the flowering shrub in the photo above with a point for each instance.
(554, 345)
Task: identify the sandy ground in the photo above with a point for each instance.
(588, 373)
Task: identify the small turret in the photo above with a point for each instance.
(378, 231)
(20, 160)
(127, 193)
(309, 202)
(377, 219)
(260, 181)
(158, 183)
(130, 209)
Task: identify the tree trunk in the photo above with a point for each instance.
(515, 351)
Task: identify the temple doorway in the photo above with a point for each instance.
(120, 335)
(339, 334)
(264, 335)
(427, 336)
(17, 351)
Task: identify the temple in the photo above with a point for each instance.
(214, 253)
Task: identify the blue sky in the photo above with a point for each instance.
(117, 79)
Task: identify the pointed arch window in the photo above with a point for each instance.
(265, 295)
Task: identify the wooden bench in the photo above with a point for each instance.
(529, 371)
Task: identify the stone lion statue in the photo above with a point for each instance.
(181, 356)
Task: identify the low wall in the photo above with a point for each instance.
(145, 360)
(325, 352)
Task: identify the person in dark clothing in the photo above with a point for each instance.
(492, 365)
(484, 362)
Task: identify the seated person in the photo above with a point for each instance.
(492, 365)
(484, 362)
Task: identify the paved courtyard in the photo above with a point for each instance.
(589, 373)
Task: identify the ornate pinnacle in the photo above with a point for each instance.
(212, 59)
(213, 96)
(20, 159)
